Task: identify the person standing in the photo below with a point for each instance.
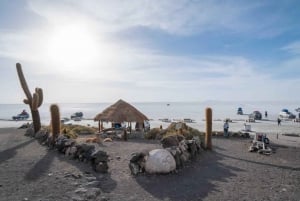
(226, 127)
(266, 114)
(279, 121)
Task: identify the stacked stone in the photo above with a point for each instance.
(137, 162)
(83, 152)
(177, 151)
(182, 150)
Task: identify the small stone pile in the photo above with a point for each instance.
(175, 153)
(83, 152)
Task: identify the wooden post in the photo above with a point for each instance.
(99, 126)
(208, 115)
(125, 135)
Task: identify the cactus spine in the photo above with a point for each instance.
(55, 122)
(34, 101)
(208, 115)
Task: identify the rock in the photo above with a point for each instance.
(176, 152)
(180, 138)
(192, 148)
(179, 162)
(134, 168)
(91, 179)
(101, 167)
(137, 162)
(67, 175)
(99, 156)
(42, 136)
(60, 143)
(197, 142)
(85, 151)
(99, 161)
(75, 184)
(80, 190)
(183, 146)
(25, 125)
(107, 139)
(92, 184)
(69, 142)
(87, 147)
(77, 198)
(103, 198)
(135, 157)
(283, 190)
(76, 176)
(185, 156)
(71, 151)
(169, 141)
(92, 193)
(172, 150)
(160, 161)
(29, 132)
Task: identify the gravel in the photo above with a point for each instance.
(30, 171)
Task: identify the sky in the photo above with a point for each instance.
(151, 50)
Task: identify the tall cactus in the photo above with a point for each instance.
(55, 122)
(208, 115)
(34, 101)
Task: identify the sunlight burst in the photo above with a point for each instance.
(72, 48)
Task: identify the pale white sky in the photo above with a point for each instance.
(158, 50)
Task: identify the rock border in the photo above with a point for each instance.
(181, 149)
(83, 152)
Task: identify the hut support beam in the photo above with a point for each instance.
(99, 126)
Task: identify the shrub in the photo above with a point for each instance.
(175, 129)
(73, 131)
(152, 133)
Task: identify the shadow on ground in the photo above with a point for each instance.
(194, 182)
(11, 152)
(43, 165)
(260, 163)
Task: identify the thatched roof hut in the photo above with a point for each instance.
(120, 111)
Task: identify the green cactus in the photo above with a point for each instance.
(208, 115)
(34, 101)
(55, 121)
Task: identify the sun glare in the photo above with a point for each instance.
(72, 48)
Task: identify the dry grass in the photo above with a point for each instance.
(73, 131)
(175, 129)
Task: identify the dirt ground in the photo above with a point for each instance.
(29, 171)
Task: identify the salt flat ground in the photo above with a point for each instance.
(266, 126)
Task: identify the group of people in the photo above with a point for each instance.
(24, 112)
(226, 124)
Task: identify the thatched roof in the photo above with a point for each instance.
(121, 111)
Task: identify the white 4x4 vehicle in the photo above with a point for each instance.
(285, 114)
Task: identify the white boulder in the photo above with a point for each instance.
(160, 161)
